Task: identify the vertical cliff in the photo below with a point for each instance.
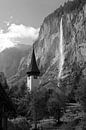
(48, 49)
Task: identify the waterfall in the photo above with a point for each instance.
(61, 51)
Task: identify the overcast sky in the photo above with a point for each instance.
(20, 20)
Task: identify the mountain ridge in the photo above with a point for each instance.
(10, 59)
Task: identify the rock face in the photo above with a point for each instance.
(48, 45)
(48, 48)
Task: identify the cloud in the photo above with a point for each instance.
(15, 34)
(22, 31)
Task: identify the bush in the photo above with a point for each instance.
(20, 123)
(81, 94)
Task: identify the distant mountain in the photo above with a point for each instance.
(10, 59)
(23, 47)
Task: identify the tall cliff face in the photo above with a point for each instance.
(72, 38)
(74, 44)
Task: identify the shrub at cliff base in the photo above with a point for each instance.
(20, 123)
(81, 94)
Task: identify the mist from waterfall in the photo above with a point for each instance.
(61, 50)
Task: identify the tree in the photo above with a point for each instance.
(20, 97)
(81, 93)
(3, 81)
(56, 106)
(40, 103)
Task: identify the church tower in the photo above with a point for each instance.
(33, 73)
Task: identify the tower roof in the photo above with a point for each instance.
(33, 66)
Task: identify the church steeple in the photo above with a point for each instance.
(33, 82)
(33, 71)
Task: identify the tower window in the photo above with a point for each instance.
(28, 77)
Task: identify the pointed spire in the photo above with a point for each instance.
(33, 66)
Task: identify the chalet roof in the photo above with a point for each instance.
(33, 66)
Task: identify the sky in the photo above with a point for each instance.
(20, 20)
